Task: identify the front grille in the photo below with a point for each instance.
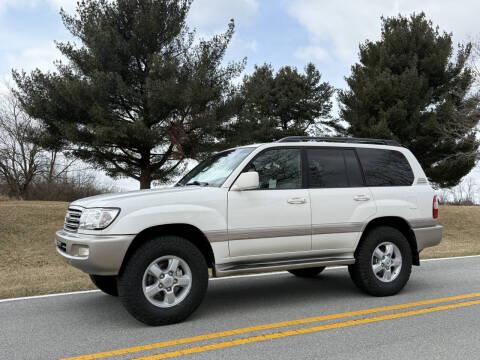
(72, 219)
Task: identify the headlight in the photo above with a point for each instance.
(97, 218)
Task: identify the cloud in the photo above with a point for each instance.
(68, 5)
(17, 4)
(40, 56)
(344, 24)
(213, 15)
(241, 46)
(312, 53)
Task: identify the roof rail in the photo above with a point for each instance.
(339, 140)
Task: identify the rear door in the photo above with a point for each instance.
(341, 203)
(390, 177)
(274, 220)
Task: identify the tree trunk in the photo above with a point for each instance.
(145, 178)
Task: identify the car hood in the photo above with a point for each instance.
(138, 196)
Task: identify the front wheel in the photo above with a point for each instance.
(383, 262)
(164, 281)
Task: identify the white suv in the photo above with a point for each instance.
(299, 204)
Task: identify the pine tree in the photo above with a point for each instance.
(408, 87)
(275, 105)
(138, 94)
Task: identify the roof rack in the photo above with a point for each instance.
(339, 140)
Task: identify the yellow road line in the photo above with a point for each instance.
(278, 335)
(244, 330)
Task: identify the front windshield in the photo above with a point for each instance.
(216, 169)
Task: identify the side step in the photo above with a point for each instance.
(280, 265)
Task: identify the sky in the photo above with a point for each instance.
(278, 32)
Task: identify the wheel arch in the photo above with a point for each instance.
(400, 224)
(187, 231)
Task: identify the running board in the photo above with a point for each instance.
(281, 265)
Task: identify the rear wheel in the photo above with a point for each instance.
(383, 262)
(307, 272)
(164, 281)
(108, 284)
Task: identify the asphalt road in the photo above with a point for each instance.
(81, 324)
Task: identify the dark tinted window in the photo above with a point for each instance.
(278, 169)
(326, 168)
(385, 167)
(354, 172)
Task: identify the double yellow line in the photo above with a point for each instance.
(286, 333)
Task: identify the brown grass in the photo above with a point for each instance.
(29, 264)
(461, 232)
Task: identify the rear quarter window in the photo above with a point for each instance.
(385, 167)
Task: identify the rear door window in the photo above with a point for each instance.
(326, 168)
(354, 171)
(385, 167)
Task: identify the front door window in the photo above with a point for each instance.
(278, 169)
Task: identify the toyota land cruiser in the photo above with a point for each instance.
(300, 204)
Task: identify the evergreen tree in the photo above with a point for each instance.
(275, 105)
(138, 94)
(408, 87)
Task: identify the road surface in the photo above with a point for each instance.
(436, 316)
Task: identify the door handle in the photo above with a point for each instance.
(361, 198)
(297, 200)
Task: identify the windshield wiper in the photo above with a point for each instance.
(200, 183)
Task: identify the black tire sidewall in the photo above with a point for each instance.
(130, 281)
(362, 273)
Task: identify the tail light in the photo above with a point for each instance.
(435, 207)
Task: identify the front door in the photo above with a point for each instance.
(274, 220)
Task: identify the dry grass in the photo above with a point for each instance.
(29, 264)
(461, 232)
(5, 198)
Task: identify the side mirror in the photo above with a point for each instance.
(246, 181)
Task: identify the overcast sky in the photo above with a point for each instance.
(279, 32)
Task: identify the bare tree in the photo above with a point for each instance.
(20, 159)
(24, 161)
(467, 193)
(56, 166)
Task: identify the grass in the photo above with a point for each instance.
(461, 229)
(29, 264)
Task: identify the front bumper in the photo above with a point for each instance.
(428, 236)
(105, 252)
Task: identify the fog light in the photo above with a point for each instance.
(80, 250)
(83, 251)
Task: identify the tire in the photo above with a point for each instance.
(307, 272)
(158, 309)
(107, 284)
(362, 272)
